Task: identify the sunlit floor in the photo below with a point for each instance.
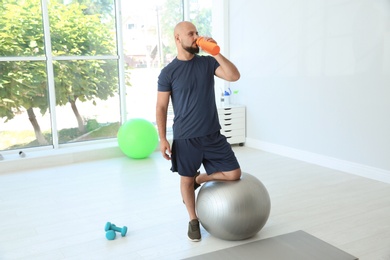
(60, 212)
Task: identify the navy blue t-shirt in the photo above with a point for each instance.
(191, 84)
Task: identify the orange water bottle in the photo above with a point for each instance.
(209, 47)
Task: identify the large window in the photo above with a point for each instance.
(59, 72)
(149, 45)
(63, 78)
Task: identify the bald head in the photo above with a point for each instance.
(183, 27)
(185, 38)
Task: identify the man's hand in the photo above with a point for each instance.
(165, 149)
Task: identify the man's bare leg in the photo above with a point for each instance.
(188, 194)
(219, 176)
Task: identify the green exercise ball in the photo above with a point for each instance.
(137, 138)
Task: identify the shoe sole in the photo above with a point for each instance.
(194, 240)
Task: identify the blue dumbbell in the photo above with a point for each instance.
(110, 226)
(110, 234)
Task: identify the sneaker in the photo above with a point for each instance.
(194, 231)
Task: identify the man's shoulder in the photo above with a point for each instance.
(170, 66)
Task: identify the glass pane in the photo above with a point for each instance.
(148, 46)
(82, 27)
(87, 99)
(24, 107)
(201, 16)
(21, 32)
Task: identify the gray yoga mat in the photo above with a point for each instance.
(297, 245)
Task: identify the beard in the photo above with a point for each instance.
(190, 49)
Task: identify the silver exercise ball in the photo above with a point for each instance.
(233, 210)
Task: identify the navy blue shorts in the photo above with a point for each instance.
(213, 151)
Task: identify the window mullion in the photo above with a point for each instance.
(121, 63)
(186, 10)
(50, 73)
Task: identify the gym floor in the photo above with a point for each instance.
(60, 212)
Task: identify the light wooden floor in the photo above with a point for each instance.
(60, 213)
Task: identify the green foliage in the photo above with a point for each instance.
(22, 29)
(202, 20)
(109, 130)
(77, 34)
(74, 32)
(65, 135)
(22, 84)
(95, 6)
(92, 124)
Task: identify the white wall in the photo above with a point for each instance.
(315, 76)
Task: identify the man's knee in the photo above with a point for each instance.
(234, 175)
(187, 181)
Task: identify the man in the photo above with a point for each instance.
(189, 81)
